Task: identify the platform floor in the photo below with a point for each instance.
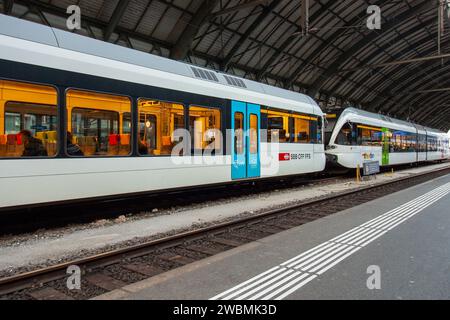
(409, 245)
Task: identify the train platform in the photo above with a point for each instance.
(50, 246)
(395, 247)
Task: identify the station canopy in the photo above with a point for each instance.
(323, 48)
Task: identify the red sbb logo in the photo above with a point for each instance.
(284, 157)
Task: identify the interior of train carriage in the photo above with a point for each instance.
(392, 140)
(98, 124)
(32, 108)
(290, 127)
(159, 120)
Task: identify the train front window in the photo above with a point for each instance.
(345, 135)
(204, 127)
(28, 120)
(157, 122)
(97, 124)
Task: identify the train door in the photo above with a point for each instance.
(386, 137)
(245, 143)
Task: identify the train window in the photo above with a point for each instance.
(402, 141)
(345, 136)
(302, 129)
(28, 120)
(369, 136)
(277, 126)
(239, 133)
(432, 144)
(422, 145)
(96, 125)
(412, 143)
(204, 127)
(253, 134)
(157, 122)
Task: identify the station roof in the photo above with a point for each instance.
(339, 62)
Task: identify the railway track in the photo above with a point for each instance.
(112, 270)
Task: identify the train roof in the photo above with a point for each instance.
(386, 119)
(30, 31)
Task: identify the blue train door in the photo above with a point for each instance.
(245, 144)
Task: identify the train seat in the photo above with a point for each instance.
(51, 142)
(87, 144)
(41, 136)
(113, 144)
(3, 140)
(125, 146)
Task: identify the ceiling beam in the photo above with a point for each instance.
(371, 37)
(290, 40)
(243, 6)
(437, 121)
(388, 81)
(402, 84)
(86, 20)
(256, 23)
(432, 90)
(398, 62)
(432, 113)
(425, 106)
(181, 48)
(415, 82)
(117, 15)
(427, 99)
(325, 44)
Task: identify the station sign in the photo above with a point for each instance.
(371, 168)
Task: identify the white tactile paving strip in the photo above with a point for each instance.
(281, 281)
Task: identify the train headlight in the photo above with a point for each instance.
(331, 147)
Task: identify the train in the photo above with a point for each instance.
(354, 136)
(85, 120)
